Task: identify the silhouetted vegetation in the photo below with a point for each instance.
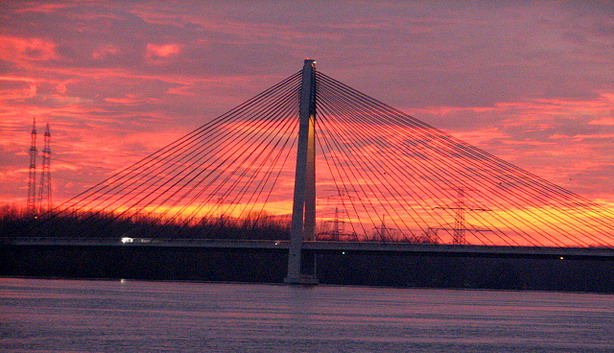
(91, 225)
(15, 223)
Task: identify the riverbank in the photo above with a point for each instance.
(342, 269)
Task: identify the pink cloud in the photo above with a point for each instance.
(105, 50)
(17, 49)
(61, 88)
(607, 121)
(17, 89)
(44, 8)
(161, 53)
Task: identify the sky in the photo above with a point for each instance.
(530, 82)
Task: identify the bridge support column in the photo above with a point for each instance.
(303, 209)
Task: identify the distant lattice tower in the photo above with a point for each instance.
(31, 203)
(44, 190)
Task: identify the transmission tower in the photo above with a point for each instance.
(31, 203)
(336, 222)
(336, 231)
(460, 226)
(44, 189)
(383, 232)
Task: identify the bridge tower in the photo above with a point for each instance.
(31, 202)
(301, 267)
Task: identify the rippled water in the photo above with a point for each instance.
(135, 316)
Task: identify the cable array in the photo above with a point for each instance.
(224, 170)
(395, 179)
(428, 186)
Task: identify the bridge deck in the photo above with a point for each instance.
(347, 248)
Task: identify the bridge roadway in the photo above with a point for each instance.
(344, 248)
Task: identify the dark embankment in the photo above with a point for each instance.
(269, 266)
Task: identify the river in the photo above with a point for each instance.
(38, 315)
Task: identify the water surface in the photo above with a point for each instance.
(130, 316)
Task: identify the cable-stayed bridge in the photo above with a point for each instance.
(311, 164)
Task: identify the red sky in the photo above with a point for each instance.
(531, 82)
